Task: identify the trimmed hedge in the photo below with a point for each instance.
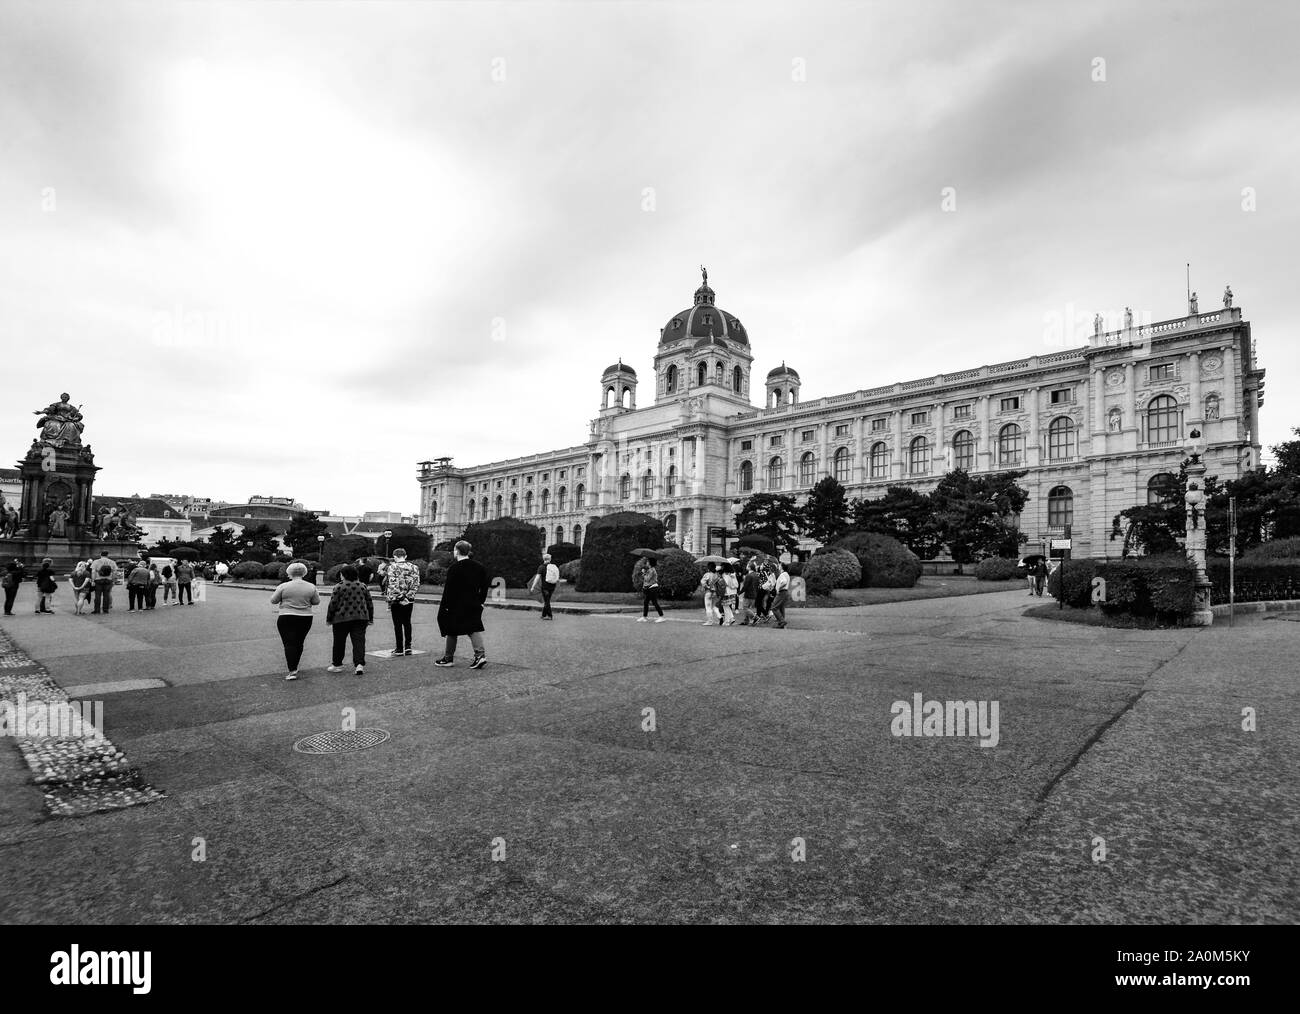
(885, 562)
(256, 556)
(1078, 582)
(1257, 579)
(1162, 586)
(508, 548)
(679, 574)
(759, 543)
(569, 571)
(345, 549)
(1277, 549)
(273, 570)
(246, 569)
(837, 568)
(996, 568)
(607, 559)
(563, 552)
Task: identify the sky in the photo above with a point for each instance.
(294, 249)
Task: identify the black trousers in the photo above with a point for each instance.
(135, 596)
(356, 630)
(103, 596)
(151, 596)
(651, 595)
(401, 624)
(293, 632)
(184, 591)
(547, 591)
(10, 595)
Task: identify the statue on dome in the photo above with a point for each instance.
(60, 423)
(705, 272)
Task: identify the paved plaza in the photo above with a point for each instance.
(532, 792)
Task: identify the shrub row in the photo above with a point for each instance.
(1163, 587)
(996, 568)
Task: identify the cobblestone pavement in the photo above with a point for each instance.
(602, 770)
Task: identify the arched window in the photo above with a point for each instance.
(775, 474)
(577, 535)
(672, 481)
(1060, 507)
(879, 461)
(719, 372)
(580, 497)
(647, 486)
(737, 380)
(626, 400)
(559, 533)
(963, 450)
(1162, 420)
(701, 374)
(625, 487)
(498, 514)
(807, 469)
(485, 509)
(471, 510)
(1162, 490)
(670, 380)
(841, 461)
(1060, 440)
(433, 510)
(670, 522)
(562, 499)
(609, 397)
(514, 505)
(546, 501)
(1011, 445)
(746, 476)
(918, 457)
(528, 503)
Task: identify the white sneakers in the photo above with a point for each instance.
(333, 668)
(641, 619)
(292, 676)
(361, 670)
(661, 619)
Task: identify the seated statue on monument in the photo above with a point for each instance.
(61, 423)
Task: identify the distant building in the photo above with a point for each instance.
(157, 518)
(11, 486)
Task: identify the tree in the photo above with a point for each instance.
(222, 545)
(826, 514)
(775, 515)
(263, 537)
(975, 515)
(904, 514)
(1161, 527)
(304, 527)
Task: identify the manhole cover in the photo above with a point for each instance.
(341, 742)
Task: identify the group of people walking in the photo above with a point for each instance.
(351, 610)
(758, 595)
(92, 584)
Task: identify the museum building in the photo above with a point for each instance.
(1098, 428)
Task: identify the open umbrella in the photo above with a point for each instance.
(1030, 560)
(652, 554)
(713, 558)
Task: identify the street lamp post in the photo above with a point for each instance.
(1202, 614)
(320, 558)
(387, 535)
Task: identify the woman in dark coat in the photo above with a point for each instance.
(461, 609)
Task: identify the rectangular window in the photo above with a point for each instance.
(961, 412)
(1063, 396)
(878, 425)
(747, 445)
(920, 418)
(529, 481)
(546, 477)
(1009, 404)
(564, 473)
(777, 440)
(1165, 371)
(514, 482)
(842, 430)
(807, 436)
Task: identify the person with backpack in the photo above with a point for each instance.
(104, 573)
(137, 587)
(350, 611)
(12, 580)
(168, 574)
(184, 582)
(548, 576)
(46, 586)
(400, 583)
(650, 592)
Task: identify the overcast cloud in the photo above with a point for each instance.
(265, 245)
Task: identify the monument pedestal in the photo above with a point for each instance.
(65, 553)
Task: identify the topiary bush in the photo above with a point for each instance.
(311, 565)
(759, 543)
(256, 556)
(1078, 582)
(996, 568)
(332, 575)
(508, 548)
(563, 552)
(835, 569)
(246, 569)
(417, 544)
(445, 546)
(1161, 586)
(607, 559)
(679, 574)
(885, 562)
(273, 570)
(569, 571)
(345, 549)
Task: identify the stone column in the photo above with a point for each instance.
(1195, 410)
(1130, 398)
(1032, 451)
(984, 446)
(1098, 400)
(1230, 383)
(940, 448)
(825, 451)
(857, 469)
(900, 452)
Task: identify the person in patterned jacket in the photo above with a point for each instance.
(401, 581)
(350, 611)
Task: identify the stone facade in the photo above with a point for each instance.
(1093, 426)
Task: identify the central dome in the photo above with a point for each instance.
(703, 320)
